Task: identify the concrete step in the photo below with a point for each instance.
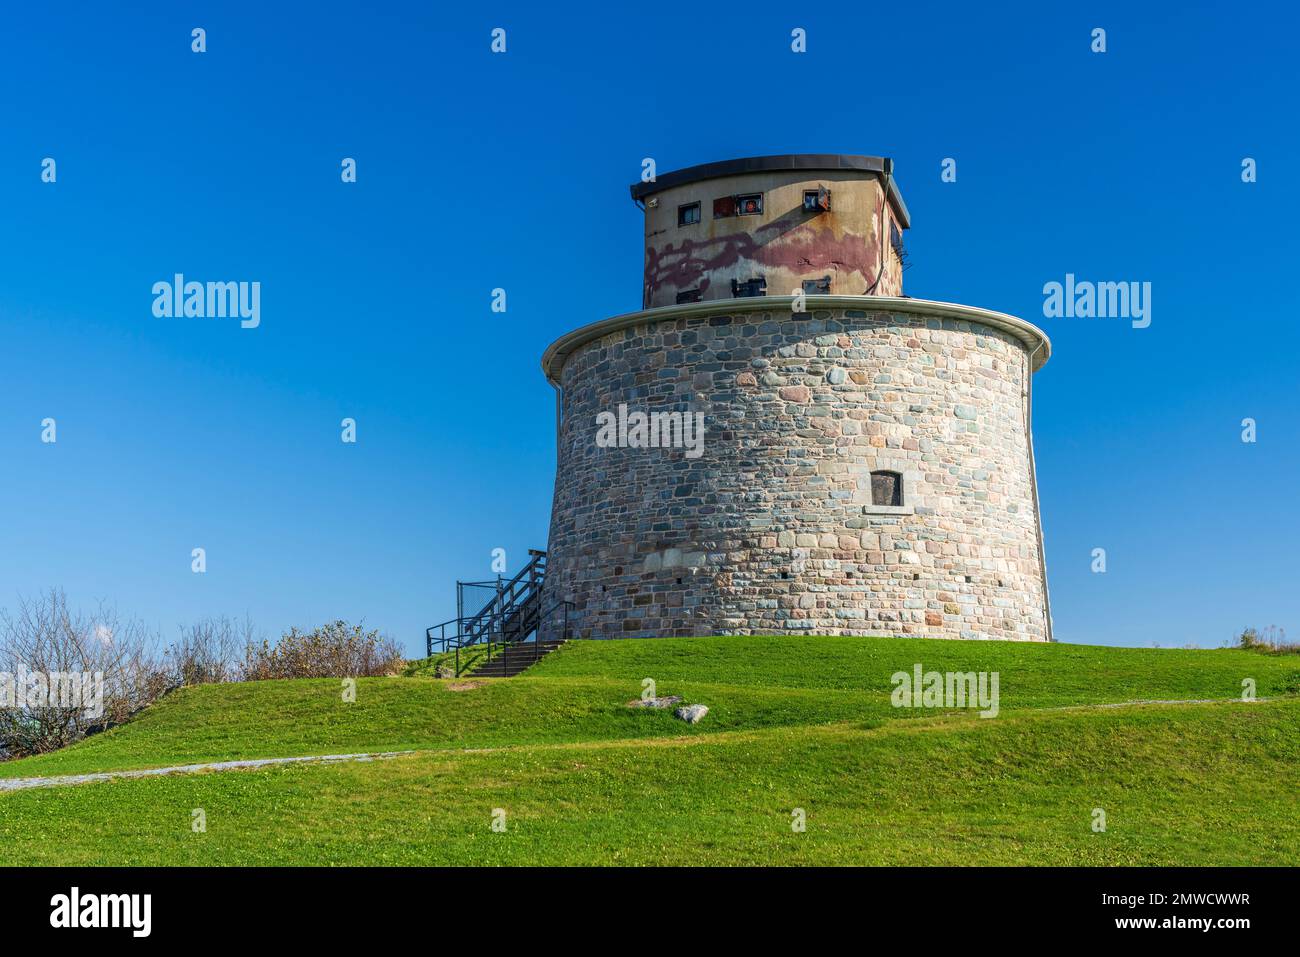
(516, 659)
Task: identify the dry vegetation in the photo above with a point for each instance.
(44, 637)
(1271, 641)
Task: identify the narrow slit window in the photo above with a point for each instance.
(688, 215)
(886, 488)
(896, 240)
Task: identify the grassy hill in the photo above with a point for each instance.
(794, 722)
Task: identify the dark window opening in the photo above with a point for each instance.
(689, 295)
(817, 287)
(689, 214)
(886, 488)
(816, 200)
(747, 204)
(896, 240)
(748, 288)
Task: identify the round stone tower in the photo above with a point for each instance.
(779, 442)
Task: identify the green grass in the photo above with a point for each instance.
(291, 718)
(428, 667)
(579, 694)
(1034, 675)
(794, 722)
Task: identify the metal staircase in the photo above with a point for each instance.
(511, 616)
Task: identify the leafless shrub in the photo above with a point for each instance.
(209, 652)
(336, 650)
(45, 638)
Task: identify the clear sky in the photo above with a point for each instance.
(478, 170)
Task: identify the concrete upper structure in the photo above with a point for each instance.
(774, 226)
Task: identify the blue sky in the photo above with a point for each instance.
(478, 171)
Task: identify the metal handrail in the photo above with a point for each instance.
(536, 631)
(564, 630)
(496, 608)
(469, 626)
(515, 603)
(496, 641)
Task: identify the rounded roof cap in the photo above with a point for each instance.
(785, 161)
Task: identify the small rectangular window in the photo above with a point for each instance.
(749, 288)
(724, 206)
(817, 200)
(751, 204)
(817, 287)
(688, 295)
(886, 488)
(688, 214)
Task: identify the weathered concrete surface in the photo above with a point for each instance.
(785, 244)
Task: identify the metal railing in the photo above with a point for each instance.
(510, 599)
(509, 617)
(495, 642)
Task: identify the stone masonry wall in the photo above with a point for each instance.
(771, 529)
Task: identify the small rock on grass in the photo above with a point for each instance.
(665, 702)
(692, 713)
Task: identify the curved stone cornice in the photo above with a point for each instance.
(1034, 339)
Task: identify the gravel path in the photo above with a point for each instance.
(22, 784)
